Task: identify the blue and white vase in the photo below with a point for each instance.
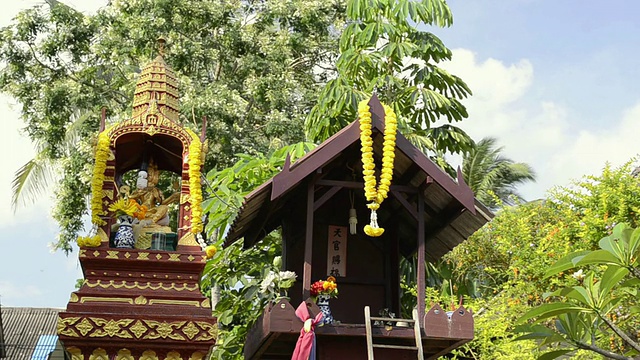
(124, 236)
(323, 303)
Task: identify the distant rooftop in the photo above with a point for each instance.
(28, 333)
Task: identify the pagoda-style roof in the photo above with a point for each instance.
(451, 213)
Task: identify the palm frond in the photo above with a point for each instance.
(30, 181)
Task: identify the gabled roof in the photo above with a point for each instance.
(23, 327)
(451, 212)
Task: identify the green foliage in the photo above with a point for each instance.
(588, 312)
(510, 258)
(251, 67)
(234, 272)
(381, 50)
(491, 176)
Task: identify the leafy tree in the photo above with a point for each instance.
(590, 315)
(381, 50)
(250, 66)
(234, 273)
(510, 256)
(493, 177)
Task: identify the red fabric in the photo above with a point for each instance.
(305, 341)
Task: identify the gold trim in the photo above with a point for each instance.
(137, 285)
(74, 298)
(174, 257)
(140, 300)
(99, 354)
(112, 254)
(76, 354)
(143, 256)
(175, 302)
(101, 299)
(124, 354)
(149, 355)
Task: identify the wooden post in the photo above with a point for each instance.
(421, 253)
(308, 242)
(203, 131)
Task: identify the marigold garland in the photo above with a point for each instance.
(97, 181)
(195, 188)
(89, 241)
(376, 195)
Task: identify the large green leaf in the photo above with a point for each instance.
(565, 263)
(549, 310)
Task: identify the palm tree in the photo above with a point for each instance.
(34, 178)
(493, 177)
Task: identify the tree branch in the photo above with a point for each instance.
(620, 333)
(602, 352)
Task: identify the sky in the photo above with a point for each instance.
(554, 81)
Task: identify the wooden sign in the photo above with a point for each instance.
(337, 251)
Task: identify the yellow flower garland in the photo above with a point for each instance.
(102, 154)
(195, 188)
(376, 196)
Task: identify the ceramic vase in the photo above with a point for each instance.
(323, 303)
(124, 236)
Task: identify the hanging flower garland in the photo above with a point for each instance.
(195, 188)
(102, 154)
(376, 195)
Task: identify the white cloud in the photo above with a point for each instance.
(12, 293)
(540, 132)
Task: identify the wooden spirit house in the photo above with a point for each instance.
(142, 300)
(426, 212)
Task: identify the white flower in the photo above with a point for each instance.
(268, 282)
(578, 275)
(287, 275)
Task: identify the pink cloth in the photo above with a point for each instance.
(305, 344)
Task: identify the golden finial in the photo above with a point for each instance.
(161, 45)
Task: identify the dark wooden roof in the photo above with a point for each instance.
(22, 328)
(451, 213)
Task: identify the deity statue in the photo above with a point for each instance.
(148, 195)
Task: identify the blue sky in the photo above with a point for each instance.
(554, 81)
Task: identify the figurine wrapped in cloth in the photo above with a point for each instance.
(157, 217)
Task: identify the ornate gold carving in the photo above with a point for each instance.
(82, 253)
(138, 329)
(190, 330)
(112, 328)
(164, 330)
(99, 354)
(103, 236)
(124, 354)
(127, 255)
(184, 198)
(74, 298)
(188, 239)
(197, 356)
(174, 257)
(105, 299)
(158, 256)
(84, 326)
(206, 303)
(140, 300)
(190, 257)
(210, 332)
(139, 286)
(112, 254)
(173, 355)
(65, 326)
(76, 354)
(149, 355)
(143, 256)
(108, 193)
(96, 253)
(141, 329)
(175, 302)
